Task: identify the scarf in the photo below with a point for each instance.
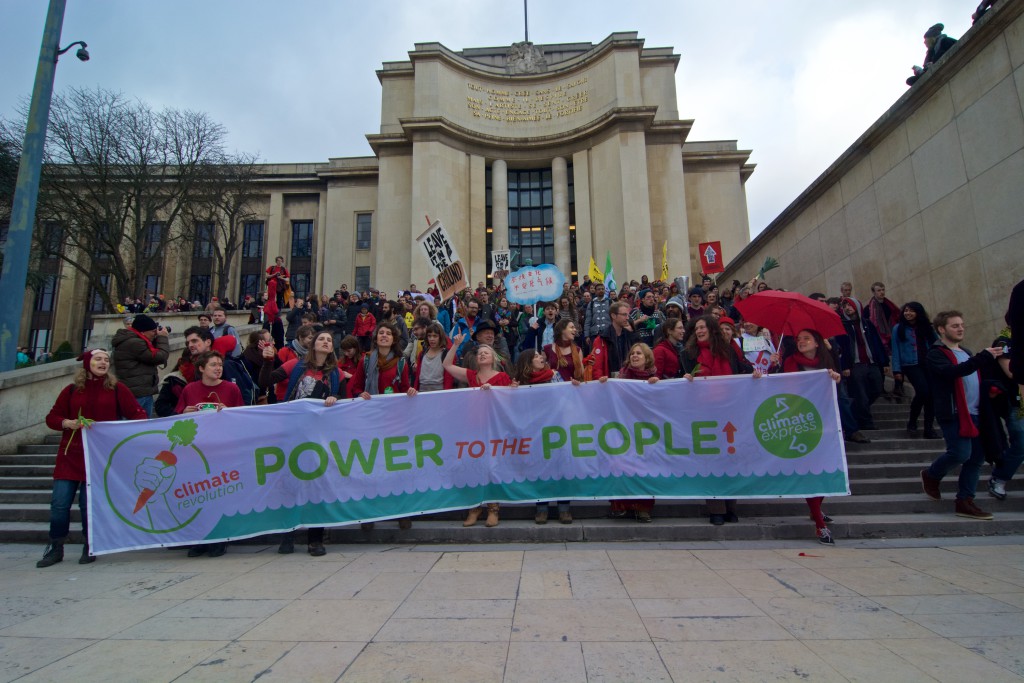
(149, 344)
(374, 366)
(967, 428)
(711, 365)
(878, 313)
(299, 349)
(541, 376)
(798, 362)
(577, 358)
(627, 372)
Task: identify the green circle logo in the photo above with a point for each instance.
(788, 426)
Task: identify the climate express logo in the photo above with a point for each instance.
(788, 426)
(158, 481)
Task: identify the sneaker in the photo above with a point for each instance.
(825, 536)
(930, 486)
(541, 517)
(317, 549)
(997, 488)
(53, 554)
(217, 549)
(825, 518)
(717, 520)
(731, 517)
(565, 517)
(965, 507)
(643, 516)
(616, 514)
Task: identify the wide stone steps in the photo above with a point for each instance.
(884, 479)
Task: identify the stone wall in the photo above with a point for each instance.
(929, 199)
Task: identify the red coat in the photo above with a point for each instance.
(95, 403)
(365, 324)
(666, 359)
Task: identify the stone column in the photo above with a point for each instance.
(560, 200)
(499, 207)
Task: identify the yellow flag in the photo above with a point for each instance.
(595, 274)
(664, 262)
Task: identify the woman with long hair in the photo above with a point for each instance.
(666, 352)
(707, 353)
(95, 395)
(812, 354)
(912, 336)
(532, 367)
(639, 365)
(314, 375)
(484, 377)
(563, 355)
(430, 374)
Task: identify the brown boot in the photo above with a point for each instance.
(930, 486)
(472, 516)
(492, 515)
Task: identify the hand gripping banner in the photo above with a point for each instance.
(248, 471)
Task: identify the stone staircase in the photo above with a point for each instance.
(887, 502)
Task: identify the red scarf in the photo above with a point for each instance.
(799, 361)
(968, 430)
(152, 349)
(541, 376)
(711, 365)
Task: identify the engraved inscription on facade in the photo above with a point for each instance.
(521, 105)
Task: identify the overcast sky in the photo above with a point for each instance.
(796, 82)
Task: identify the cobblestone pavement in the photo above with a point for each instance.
(909, 610)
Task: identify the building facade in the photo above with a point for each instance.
(556, 152)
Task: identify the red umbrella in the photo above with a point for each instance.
(789, 312)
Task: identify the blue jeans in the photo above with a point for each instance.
(60, 508)
(146, 402)
(1014, 455)
(959, 451)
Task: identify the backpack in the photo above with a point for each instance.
(235, 372)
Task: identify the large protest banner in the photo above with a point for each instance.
(247, 471)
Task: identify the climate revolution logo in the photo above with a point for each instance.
(788, 426)
(157, 481)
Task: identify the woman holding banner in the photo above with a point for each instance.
(315, 375)
(666, 353)
(95, 395)
(484, 377)
(639, 365)
(811, 354)
(563, 355)
(532, 367)
(707, 353)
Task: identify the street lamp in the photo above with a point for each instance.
(23, 211)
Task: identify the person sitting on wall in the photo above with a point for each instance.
(938, 43)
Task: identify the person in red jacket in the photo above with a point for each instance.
(666, 353)
(366, 323)
(94, 396)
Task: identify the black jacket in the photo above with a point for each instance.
(943, 375)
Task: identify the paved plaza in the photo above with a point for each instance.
(908, 610)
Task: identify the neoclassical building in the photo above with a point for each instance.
(556, 152)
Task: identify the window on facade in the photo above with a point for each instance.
(104, 237)
(302, 239)
(362, 278)
(38, 341)
(364, 226)
(199, 289)
(252, 240)
(531, 216)
(46, 295)
(53, 238)
(250, 285)
(203, 245)
(300, 284)
(96, 297)
(154, 233)
(153, 284)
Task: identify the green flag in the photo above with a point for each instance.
(609, 274)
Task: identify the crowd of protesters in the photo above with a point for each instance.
(363, 344)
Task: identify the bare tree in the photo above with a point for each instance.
(224, 201)
(116, 168)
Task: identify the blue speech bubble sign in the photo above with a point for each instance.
(533, 284)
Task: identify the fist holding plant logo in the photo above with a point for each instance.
(154, 476)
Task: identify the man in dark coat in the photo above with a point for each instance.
(139, 351)
(938, 43)
(868, 361)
